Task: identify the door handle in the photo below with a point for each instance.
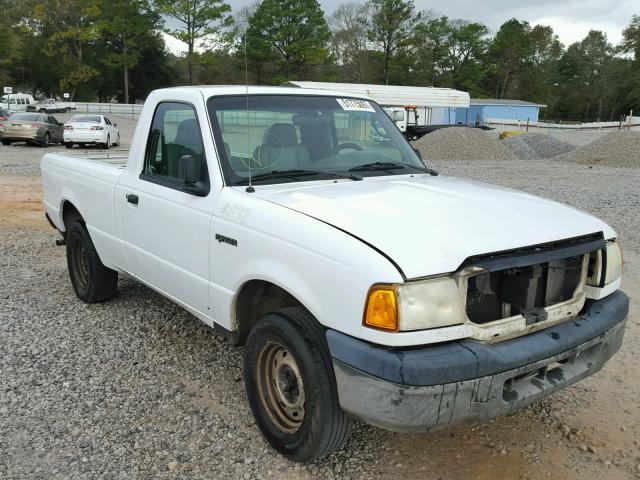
(132, 198)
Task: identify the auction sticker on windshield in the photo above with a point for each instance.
(354, 104)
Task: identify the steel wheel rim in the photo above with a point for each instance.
(280, 387)
(81, 264)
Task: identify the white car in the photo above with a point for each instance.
(362, 283)
(91, 130)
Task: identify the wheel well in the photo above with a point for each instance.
(69, 211)
(255, 299)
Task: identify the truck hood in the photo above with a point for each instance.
(430, 225)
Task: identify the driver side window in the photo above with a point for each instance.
(175, 132)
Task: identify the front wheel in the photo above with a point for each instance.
(107, 144)
(291, 387)
(6, 143)
(91, 280)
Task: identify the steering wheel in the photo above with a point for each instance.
(342, 146)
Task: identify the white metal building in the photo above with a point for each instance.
(435, 106)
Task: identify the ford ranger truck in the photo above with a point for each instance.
(363, 285)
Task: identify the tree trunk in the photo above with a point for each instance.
(126, 73)
(386, 68)
(190, 63)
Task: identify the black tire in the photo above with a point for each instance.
(324, 427)
(107, 144)
(6, 143)
(68, 145)
(47, 140)
(91, 280)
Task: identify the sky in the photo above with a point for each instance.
(570, 19)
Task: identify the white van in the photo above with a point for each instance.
(18, 102)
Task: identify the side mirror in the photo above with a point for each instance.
(189, 170)
(418, 153)
(192, 173)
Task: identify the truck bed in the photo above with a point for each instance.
(87, 181)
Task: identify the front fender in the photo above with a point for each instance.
(325, 269)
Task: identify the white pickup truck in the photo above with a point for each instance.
(302, 225)
(52, 105)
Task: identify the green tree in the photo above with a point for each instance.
(433, 39)
(509, 50)
(69, 26)
(198, 19)
(124, 25)
(631, 38)
(289, 35)
(391, 27)
(631, 46)
(583, 79)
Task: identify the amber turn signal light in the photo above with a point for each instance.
(381, 309)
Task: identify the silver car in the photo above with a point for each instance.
(33, 128)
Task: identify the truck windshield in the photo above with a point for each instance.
(293, 133)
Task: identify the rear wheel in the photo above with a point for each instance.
(107, 144)
(291, 387)
(6, 142)
(91, 280)
(47, 140)
(68, 145)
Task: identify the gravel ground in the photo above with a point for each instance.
(532, 146)
(138, 388)
(461, 143)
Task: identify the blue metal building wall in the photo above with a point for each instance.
(501, 112)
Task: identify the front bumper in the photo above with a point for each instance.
(417, 390)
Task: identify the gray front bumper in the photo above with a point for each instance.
(437, 386)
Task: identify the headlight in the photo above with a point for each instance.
(604, 269)
(415, 306)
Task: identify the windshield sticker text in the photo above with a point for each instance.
(355, 105)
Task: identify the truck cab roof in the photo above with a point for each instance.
(219, 90)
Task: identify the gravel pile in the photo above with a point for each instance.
(532, 146)
(620, 149)
(461, 143)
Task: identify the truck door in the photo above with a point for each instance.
(166, 229)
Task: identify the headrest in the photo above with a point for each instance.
(280, 135)
(188, 135)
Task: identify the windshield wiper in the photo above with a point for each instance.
(295, 174)
(376, 166)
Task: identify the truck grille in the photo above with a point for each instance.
(523, 290)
